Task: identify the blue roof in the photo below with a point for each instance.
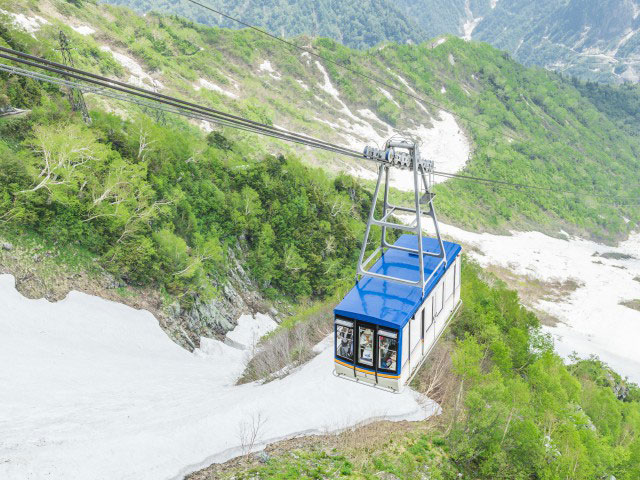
(389, 303)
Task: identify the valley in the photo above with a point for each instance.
(168, 285)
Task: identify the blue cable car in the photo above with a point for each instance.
(386, 326)
(384, 330)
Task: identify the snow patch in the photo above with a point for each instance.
(408, 87)
(138, 75)
(593, 320)
(469, 26)
(250, 330)
(443, 89)
(444, 143)
(360, 131)
(404, 82)
(439, 41)
(471, 22)
(96, 388)
(327, 86)
(204, 83)
(266, 67)
(83, 29)
(205, 126)
(389, 96)
(28, 24)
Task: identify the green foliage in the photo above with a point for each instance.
(562, 136)
(619, 103)
(357, 24)
(166, 208)
(518, 411)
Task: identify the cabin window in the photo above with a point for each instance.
(344, 339)
(447, 285)
(365, 345)
(387, 351)
(439, 292)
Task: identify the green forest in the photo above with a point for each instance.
(360, 24)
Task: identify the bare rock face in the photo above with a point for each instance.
(237, 296)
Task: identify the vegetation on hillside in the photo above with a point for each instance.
(163, 204)
(620, 103)
(511, 409)
(592, 40)
(160, 201)
(360, 24)
(557, 137)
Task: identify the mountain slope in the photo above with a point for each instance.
(358, 24)
(557, 137)
(593, 40)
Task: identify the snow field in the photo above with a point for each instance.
(444, 142)
(266, 66)
(83, 29)
(592, 319)
(28, 24)
(138, 75)
(95, 389)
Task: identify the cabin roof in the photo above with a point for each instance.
(389, 303)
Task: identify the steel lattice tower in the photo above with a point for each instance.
(76, 97)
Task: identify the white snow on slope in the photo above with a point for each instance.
(389, 96)
(266, 67)
(593, 320)
(439, 41)
(204, 83)
(327, 86)
(249, 330)
(471, 22)
(28, 24)
(83, 29)
(92, 389)
(138, 75)
(445, 142)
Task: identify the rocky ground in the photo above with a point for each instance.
(47, 272)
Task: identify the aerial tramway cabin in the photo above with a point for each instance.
(406, 292)
(385, 329)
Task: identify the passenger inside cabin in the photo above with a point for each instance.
(366, 346)
(345, 339)
(388, 347)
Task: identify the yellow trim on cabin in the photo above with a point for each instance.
(365, 371)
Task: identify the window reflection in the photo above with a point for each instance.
(388, 353)
(365, 343)
(344, 341)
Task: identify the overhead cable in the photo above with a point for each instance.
(116, 89)
(350, 69)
